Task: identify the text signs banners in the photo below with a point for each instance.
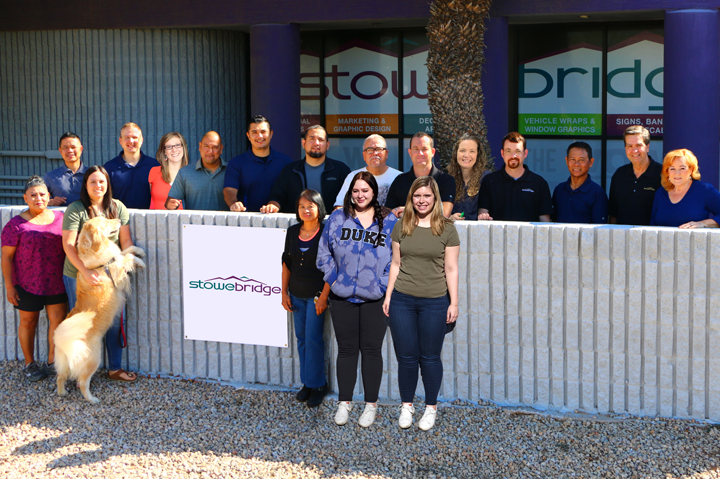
(560, 94)
(231, 285)
(635, 84)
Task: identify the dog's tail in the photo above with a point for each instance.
(70, 337)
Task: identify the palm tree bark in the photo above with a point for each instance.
(457, 42)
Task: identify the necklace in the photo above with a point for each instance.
(43, 219)
(306, 234)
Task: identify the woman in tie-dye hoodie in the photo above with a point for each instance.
(354, 255)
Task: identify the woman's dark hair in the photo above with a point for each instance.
(108, 205)
(313, 197)
(379, 211)
(33, 181)
(477, 170)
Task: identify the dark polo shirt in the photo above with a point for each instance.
(508, 199)
(398, 193)
(631, 198)
(254, 177)
(586, 204)
(130, 183)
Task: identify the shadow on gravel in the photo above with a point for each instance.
(176, 422)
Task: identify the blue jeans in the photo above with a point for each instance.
(112, 337)
(310, 344)
(418, 332)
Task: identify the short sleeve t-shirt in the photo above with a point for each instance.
(313, 174)
(422, 263)
(75, 217)
(39, 255)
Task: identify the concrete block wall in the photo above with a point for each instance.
(562, 317)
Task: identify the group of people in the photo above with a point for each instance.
(387, 254)
(374, 269)
(643, 192)
(40, 263)
(267, 181)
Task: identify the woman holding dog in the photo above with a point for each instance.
(96, 200)
(422, 296)
(305, 294)
(32, 259)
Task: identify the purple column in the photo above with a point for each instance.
(495, 81)
(275, 82)
(691, 106)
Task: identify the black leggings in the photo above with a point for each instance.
(359, 327)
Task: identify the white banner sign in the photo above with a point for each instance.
(231, 285)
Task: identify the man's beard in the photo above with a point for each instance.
(315, 154)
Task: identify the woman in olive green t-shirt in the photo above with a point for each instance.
(423, 273)
(95, 200)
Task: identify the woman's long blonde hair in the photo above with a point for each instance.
(162, 159)
(437, 219)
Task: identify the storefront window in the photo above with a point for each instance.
(559, 82)
(310, 84)
(367, 89)
(587, 83)
(635, 81)
(416, 111)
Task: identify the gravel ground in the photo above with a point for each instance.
(175, 428)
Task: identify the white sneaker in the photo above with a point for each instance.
(406, 416)
(368, 415)
(343, 413)
(428, 419)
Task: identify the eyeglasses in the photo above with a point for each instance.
(173, 147)
(377, 151)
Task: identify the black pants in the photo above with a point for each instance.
(359, 328)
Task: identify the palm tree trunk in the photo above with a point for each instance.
(457, 42)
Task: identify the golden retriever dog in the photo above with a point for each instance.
(78, 339)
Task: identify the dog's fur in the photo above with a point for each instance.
(78, 339)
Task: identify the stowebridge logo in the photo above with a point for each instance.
(235, 284)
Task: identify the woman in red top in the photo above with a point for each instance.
(172, 154)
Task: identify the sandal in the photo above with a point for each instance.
(122, 375)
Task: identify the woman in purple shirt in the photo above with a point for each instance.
(684, 200)
(32, 264)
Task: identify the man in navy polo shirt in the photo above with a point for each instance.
(633, 186)
(64, 183)
(129, 170)
(316, 172)
(421, 151)
(580, 199)
(514, 193)
(249, 177)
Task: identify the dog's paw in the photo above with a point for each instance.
(139, 263)
(62, 392)
(93, 400)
